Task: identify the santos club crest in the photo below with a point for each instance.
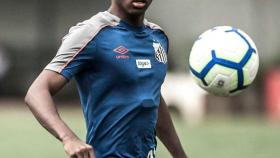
(160, 54)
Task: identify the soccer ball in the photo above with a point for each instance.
(224, 61)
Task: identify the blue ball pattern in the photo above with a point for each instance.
(226, 63)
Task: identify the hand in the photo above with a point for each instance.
(75, 148)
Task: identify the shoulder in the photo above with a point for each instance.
(159, 30)
(152, 25)
(78, 39)
(88, 29)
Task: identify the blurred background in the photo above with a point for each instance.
(243, 126)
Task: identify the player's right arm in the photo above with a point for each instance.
(76, 52)
(39, 99)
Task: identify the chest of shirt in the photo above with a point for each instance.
(130, 56)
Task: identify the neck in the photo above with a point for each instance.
(136, 20)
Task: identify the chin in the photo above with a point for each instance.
(137, 11)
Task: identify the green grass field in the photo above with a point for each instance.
(22, 137)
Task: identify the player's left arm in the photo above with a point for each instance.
(167, 133)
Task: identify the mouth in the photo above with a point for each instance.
(139, 4)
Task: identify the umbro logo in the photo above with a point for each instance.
(121, 50)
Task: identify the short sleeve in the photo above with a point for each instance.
(78, 47)
(76, 50)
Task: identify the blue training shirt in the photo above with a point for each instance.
(119, 70)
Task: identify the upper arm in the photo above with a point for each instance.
(162, 105)
(49, 81)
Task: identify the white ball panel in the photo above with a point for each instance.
(200, 55)
(220, 85)
(250, 70)
(247, 80)
(218, 70)
(252, 43)
(230, 46)
(234, 81)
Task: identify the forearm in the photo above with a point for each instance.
(40, 101)
(41, 104)
(167, 133)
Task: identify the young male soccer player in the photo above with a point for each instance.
(119, 62)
